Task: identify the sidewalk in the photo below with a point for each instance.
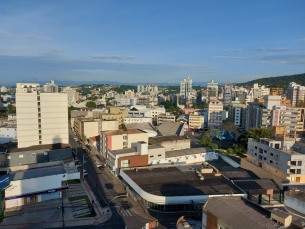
(47, 214)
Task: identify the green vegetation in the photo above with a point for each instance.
(279, 81)
(75, 181)
(84, 138)
(88, 202)
(91, 104)
(169, 106)
(69, 111)
(229, 127)
(11, 109)
(256, 134)
(123, 88)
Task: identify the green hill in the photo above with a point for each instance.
(278, 81)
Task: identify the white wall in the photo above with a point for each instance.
(8, 134)
(294, 203)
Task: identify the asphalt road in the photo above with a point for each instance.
(101, 183)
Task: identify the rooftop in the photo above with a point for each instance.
(185, 152)
(170, 128)
(96, 138)
(34, 173)
(124, 151)
(180, 181)
(297, 194)
(41, 147)
(239, 213)
(257, 184)
(158, 140)
(121, 132)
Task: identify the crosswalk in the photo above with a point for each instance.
(120, 212)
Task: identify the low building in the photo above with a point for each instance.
(129, 120)
(34, 185)
(95, 144)
(171, 128)
(144, 126)
(176, 188)
(167, 117)
(171, 142)
(87, 127)
(196, 121)
(236, 212)
(8, 134)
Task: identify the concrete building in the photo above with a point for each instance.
(196, 121)
(152, 89)
(237, 114)
(276, 91)
(115, 113)
(50, 87)
(227, 95)
(141, 88)
(276, 159)
(212, 90)
(186, 87)
(237, 212)
(295, 92)
(71, 94)
(42, 118)
(86, 127)
(129, 120)
(167, 117)
(171, 128)
(301, 118)
(3, 89)
(171, 143)
(8, 133)
(123, 102)
(253, 118)
(129, 94)
(121, 139)
(215, 109)
(29, 186)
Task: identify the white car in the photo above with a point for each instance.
(85, 173)
(97, 164)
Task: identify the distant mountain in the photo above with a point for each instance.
(278, 81)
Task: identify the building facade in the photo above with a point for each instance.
(215, 109)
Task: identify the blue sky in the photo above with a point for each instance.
(150, 41)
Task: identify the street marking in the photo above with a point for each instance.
(129, 212)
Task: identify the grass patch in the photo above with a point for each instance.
(75, 181)
(88, 202)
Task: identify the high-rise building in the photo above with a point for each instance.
(295, 92)
(237, 114)
(50, 87)
(186, 87)
(227, 95)
(212, 90)
(42, 118)
(71, 93)
(215, 113)
(253, 118)
(141, 88)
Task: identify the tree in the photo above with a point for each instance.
(229, 127)
(84, 138)
(256, 134)
(167, 104)
(207, 136)
(194, 105)
(301, 103)
(11, 109)
(203, 105)
(91, 104)
(69, 111)
(123, 127)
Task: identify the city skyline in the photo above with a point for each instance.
(137, 41)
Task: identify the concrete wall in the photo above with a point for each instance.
(294, 203)
(109, 125)
(177, 144)
(134, 138)
(229, 160)
(137, 120)
(8, 134)
(153, 154)
(91, 129)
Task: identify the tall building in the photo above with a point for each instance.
(212, 90)
(71, 93)
(253, 117)
(50, 87)
(295, 92)
(237, 114)
(227, 95)
(42, 118)
(186, 87)
(141, 88)
(215, 113)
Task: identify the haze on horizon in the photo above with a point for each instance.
(157, 41)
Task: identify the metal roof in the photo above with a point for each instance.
(34, 173)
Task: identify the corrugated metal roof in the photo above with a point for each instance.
(34, 173)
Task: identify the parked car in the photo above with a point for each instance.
(76, 159)
(78, 165)
(85, 173)
(98, 165)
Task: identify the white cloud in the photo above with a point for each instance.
(231, 57)
(113, 57)
(232, 50)
(277, 49)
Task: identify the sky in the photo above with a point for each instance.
(150, 41)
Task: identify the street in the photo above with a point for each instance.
(103, 184)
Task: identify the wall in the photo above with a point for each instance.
(294, 203)
(177, 144)
(91, 129)
(134, 138)
(8, 134)
(135, 161)
(109, 125)
(137, 120)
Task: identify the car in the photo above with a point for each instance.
(84, 148)
(79, 165)
(98, 164)
(85, 173)
(76, 159)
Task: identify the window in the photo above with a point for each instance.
(260, 150)
(299, 163)
(159, 155)
(271, 154)
(31, 199)
(298, 171)
(151, 156)
(255, 147)
(271, 161)
(8, 157)
(255, 154)
(277, 146)
(21, 156)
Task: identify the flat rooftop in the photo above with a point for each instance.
(160, 139)
(34, 173)
(121, 132)
(180, 181)
(186, 152)
(170, 128)
(41, 147)
(124, 151)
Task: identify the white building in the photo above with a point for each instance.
(295, 92)
(129, 120)
(50, 87)
(186, 87)
(42, 118)
(8, 134)
(71, 93)
(212, 90)
(123, 102)
(30, 186)
(215, 113)
(196, 121)
(3, 89)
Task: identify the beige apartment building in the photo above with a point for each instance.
(42, 118)
(196, 121)
(167, 117)
(115, 113)
(215, 113)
